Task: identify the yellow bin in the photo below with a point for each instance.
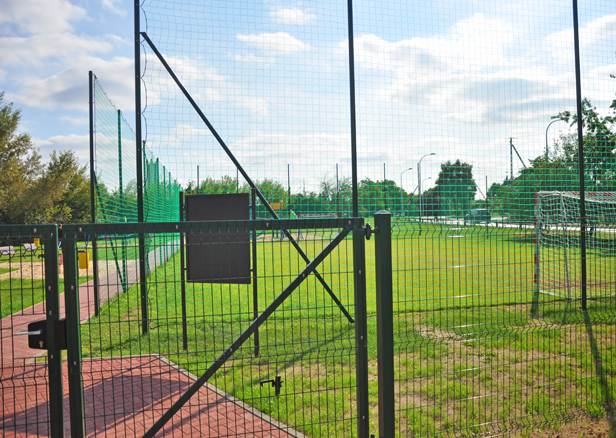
(37, 242)
(84, 260)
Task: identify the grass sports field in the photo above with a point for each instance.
(475, 343)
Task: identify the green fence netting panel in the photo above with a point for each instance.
(115, 185)
(466, 114)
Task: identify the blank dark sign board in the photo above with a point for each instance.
(219, 257)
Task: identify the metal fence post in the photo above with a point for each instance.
(52, 301)
(385, 324)
(183, 278)
(93, 191)
(73, 334)
(361, 334)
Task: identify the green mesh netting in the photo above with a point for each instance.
(115, 184)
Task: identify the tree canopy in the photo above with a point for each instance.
(456, 187)
(558, 170)
(31, 192)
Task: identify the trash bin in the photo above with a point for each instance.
(37, 242)
(84, 260)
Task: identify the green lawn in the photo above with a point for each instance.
(475, 344)
(7, 270)
(20, 293)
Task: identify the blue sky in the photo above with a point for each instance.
(454, 78)
(47, 48)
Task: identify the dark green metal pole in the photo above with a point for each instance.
(183, 277)
(52, 301)
(138, 142)
(385, 324)
(122, 205)
(353, 118)
(93, 194)
(361, 334)
(580, 126)
(255, 286)
(73, 335)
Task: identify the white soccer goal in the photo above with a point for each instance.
(557, 244)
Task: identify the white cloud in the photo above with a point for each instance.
(75, 120)
(252, 58)
(291, 16)
(2, 75)
(111, 6)
(79, 143)
(561, 43)
(39, 16)
(68, 89)
(258, 106)
(470, 45)
(38, 48)
(278, 43)
(206, 86)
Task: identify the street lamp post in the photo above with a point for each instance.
(401, 189)
(546, 135)
(425, 179)
(419, 182)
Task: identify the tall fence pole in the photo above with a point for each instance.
(93, 193)
(183, 277)
(73, 335)
(122, 205)
(580, 126)
(353, 118)
(361, 334)
(385, 324)
(138, 142)
(255, 277)
(52, 301)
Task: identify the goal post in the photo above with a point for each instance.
(557, 243)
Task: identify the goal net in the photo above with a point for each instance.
(558, 237)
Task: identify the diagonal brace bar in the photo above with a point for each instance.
(309, 269)
(243, 172)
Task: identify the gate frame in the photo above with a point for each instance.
(49, 236)
(345, 227)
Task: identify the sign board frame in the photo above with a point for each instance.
(224, 257)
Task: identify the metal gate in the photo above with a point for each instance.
(31, 372)
(282, 356)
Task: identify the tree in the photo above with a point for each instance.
(20, 164)
(456, 187)
(338, 193)
(61, 194)
(599, 146)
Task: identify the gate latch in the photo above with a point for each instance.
(276, 383)
(37, 334)
(369, 231)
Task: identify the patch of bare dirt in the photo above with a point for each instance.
(591, 428)
(35, 270)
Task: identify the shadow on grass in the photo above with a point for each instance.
(608, 401)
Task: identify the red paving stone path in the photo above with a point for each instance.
(123, 395)
(123, 398)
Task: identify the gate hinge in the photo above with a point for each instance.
(37, 334)
(276, 383)
(369, 231)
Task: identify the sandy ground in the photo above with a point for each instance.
(591, 428)
(35, 270)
